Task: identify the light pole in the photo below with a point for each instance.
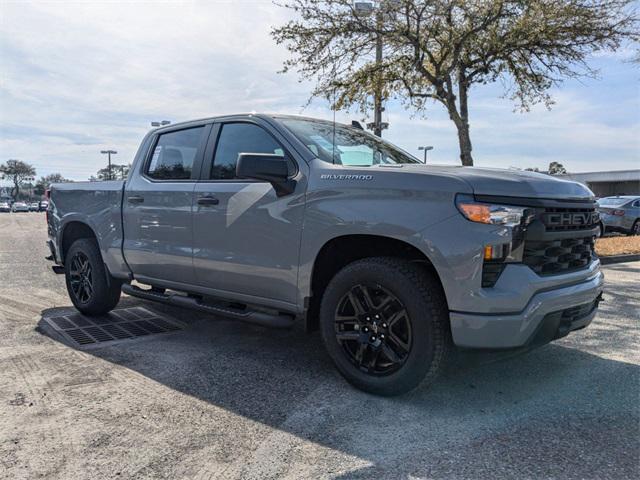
(159, 124)
(426, 149)
(366, 9)
(109, 153)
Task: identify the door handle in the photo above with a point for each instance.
(208, 200)
(135, 199)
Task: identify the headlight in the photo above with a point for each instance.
(489, 213)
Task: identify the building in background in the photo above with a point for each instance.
(606, 184)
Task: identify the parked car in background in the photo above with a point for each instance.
(620, 214)
(34, 207)
(20, 207)
(5, 207)
(43, 206)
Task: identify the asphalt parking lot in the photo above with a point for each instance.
(226, 400)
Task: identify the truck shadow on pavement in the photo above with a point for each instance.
(555, 411)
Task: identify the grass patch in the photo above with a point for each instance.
(618, 246)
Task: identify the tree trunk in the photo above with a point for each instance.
(463, 127)
(465, 144)
(464, 139)
(459, 118)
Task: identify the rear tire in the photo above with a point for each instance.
(635, 228)
(91, 289)
(397, 337)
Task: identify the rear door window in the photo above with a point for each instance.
(174, 154)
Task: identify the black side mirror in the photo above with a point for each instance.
(268, 167)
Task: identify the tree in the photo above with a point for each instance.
(43, 184)
(18, 173)
(556, 168)
(118, 172)
(438, 50)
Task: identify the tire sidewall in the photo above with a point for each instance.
(422, 351)
(103, 298)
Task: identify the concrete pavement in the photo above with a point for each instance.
(228, 400)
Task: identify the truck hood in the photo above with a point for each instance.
(509, 183)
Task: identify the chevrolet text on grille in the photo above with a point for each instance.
(568, 218)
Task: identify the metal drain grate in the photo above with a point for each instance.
(118, 325)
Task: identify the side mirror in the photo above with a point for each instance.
(268, 167)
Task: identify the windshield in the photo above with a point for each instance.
(612, 201)
(344, 145)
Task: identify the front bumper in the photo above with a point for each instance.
(548, 315)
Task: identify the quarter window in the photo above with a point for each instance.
(237, 138)
(174, 154)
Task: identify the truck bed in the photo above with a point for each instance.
(100, 205)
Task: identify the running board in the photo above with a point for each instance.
(251, 316)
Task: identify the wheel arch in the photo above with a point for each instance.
(71, 232)
(339, 251)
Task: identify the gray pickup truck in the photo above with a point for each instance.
(272, 219)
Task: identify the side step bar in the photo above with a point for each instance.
(250, 316)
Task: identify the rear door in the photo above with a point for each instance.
(157, 207)
(246, 237)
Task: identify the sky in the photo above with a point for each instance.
(80, 77)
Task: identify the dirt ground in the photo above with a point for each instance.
(220, 399)
(618, 245)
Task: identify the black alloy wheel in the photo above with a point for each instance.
(91, 288)
(81, 277)
(374, 328)
(384, 322)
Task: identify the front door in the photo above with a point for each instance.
(246, 237)
(157, 206)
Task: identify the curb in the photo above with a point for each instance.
(619, 259)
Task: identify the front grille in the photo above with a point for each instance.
(561, 238)
(549, 257)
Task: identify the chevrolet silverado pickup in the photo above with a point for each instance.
(274, 219)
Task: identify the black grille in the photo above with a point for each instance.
(549, 257)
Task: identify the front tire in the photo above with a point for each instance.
(91, 289)
(384, 323)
